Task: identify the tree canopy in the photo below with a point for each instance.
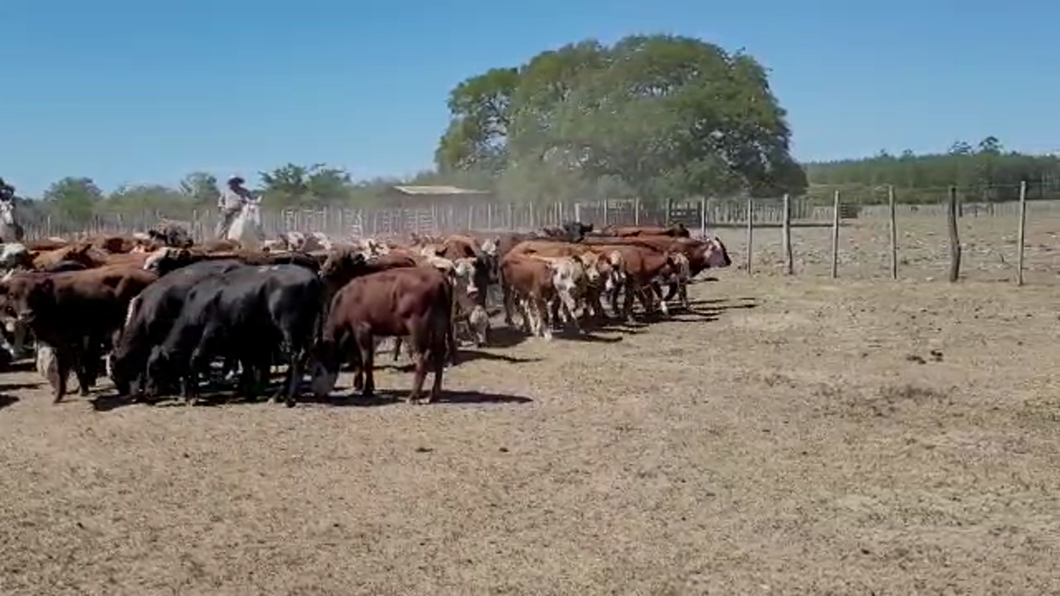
(984, 171)
(653, 116)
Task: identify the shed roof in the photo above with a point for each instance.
(435, 190)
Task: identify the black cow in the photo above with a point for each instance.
(246, 314)
(150, 317)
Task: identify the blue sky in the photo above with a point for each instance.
(133, 91)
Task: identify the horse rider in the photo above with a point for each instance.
(7, 192)
(231, 202)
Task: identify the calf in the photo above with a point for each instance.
(528, 283)
(75, 313)
(415, 302)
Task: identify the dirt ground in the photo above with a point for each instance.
(791, 436)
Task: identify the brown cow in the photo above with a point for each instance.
(642, 266)
(76, 313)
(528, 283)
(81, 252)
(603, 267)
(413, 301)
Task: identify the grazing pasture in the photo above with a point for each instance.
(791, 435)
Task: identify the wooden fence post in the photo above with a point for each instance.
(605, 212)
(893, 231)
(636, 211)
(577, 212)
(511, 216)
(835, 235)
(750, 230)
(789, 261)
(1022, 232)
(702, 217)
(669, 211)
(955, 241)
(489, 216)
(531, 206)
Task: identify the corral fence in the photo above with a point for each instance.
(701, 214)
(347, 222)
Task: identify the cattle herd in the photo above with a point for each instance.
(165, 316)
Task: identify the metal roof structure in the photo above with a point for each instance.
(436, 190)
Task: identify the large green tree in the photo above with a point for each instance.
(313, 185)
(655, 116)
(74, 199)
(200, 188)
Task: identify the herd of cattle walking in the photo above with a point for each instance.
(158, 312)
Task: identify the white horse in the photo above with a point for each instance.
(10, 230)
(246, 227)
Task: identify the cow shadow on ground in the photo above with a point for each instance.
(569, 334)
(387, 397)
(346, 397)
(465, 355)
(7, 400)
(503, 336)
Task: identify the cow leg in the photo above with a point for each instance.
(397, 348)
(64, 361)
(626, 311)
(295, 369)
(674, 288)
(569, 307)
(682, 291)
(544, 321)
(366, 346)
(627, 301)
(655, 290)
(419, 358)
(506, 299)
(524, 313)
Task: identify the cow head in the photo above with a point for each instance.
(324, 368)
(167, 259)
(717, 256)
(29, 296)
(343, 265)
(590, 265)
(479, 323)
(615, 266)
(464, 271)
(575, 231)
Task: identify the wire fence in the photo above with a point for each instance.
(855, 237)
(345, 222)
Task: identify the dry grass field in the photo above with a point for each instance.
(791, 436)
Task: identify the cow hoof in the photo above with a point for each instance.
(289, 403)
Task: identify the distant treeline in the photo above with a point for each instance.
(981, 173)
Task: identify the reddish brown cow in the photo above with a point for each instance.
(81, 252)
(415, 302)
(528, 283)
(642, 266)
(76, 313)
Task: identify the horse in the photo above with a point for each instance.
(246, 227)
(10, 230)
